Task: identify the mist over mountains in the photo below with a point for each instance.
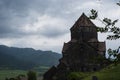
(26, 58)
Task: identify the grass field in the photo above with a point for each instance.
(109, 73)
(41, 70)
(11, 73)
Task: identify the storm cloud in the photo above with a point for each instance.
(16, 14)
(39, 23)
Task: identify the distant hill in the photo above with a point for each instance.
(25, 58)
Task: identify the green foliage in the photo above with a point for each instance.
(118, 3)
(99, 59)
(115, 54)
(109, 22)
(77, 75)
(32, 75)
(109, 26)
(74, 76)
(94, 14)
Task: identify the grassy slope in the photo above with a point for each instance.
(109, 73)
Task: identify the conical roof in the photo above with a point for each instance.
(83, 21)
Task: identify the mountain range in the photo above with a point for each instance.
(26, 58)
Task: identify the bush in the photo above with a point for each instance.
(32, 75)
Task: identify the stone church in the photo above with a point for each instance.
(82, 53)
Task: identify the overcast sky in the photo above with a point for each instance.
(45, 24)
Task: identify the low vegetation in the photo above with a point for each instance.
(11, 73)
(111, 72)
(7, 74)
(32, 75)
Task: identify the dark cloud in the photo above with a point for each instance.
(17, 13)
(53, 32)
(10, 18)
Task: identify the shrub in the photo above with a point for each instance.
(31, 75)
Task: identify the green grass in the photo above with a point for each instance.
(77, 75)
(11, 73)
(41, 70)
(109, 73)
(6, 73)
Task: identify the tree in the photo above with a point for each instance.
(109, 26)
(32, 75)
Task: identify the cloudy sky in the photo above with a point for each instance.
(45, 24)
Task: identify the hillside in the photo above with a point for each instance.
(26, 57)
(111, 72)
(8, 61)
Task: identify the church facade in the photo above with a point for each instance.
(82, 53)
